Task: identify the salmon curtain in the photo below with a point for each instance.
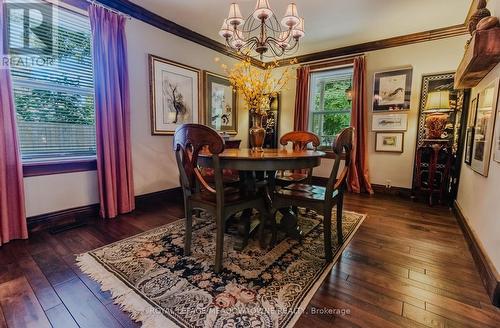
(359, 179)
(112, 105)
(300, 120)
(12, 211)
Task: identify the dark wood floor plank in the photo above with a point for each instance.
(74, 294)
(428, 319)
(407, 266)
(60, 317)
(20, 305)
(39, 283)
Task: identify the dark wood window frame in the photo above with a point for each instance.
(34, 169)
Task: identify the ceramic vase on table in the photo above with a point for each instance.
(257, 133)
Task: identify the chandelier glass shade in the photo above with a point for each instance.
(261, 33)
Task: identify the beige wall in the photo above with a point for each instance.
(152, 156)
(428, 57)
(477, 195)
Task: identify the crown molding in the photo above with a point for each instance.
(441, 33)
(144, 15)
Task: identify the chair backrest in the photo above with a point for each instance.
(189, 140)
(300, 139)
(342, 147)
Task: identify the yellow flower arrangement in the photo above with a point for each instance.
(255, 84)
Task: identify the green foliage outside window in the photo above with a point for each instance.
(333, 107)
(42, 105)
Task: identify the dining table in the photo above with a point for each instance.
(258, 168)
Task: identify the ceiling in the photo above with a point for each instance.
(329, 23)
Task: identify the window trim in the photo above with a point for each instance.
(41, 167)
(322, 69)
(72, 165)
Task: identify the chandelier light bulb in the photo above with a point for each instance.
(235, 18)
(262, 10)
(291, 18)
(225, 31)
(298, 30)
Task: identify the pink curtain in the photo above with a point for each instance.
(300, 119)
(112, 103)
(359, 180)
(12, 211)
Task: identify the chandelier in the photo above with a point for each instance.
(261, 33)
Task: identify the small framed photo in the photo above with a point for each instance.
(484, 128)
(392, 90)
(471, 121)
(220, 103)
(391, 142)
(469, 139)
(389, 122)
(174, 92)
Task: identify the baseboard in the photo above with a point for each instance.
(83, 213)
(488, 273)
(395, 191)
(67, 216)
(380, 189)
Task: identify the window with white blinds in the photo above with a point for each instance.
(53, 93)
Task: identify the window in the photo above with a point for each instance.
(51, 67)
(330, 110)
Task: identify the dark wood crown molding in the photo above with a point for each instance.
(441, 33)
(142, 14)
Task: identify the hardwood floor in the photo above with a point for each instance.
(407, 266)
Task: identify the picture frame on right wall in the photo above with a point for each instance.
(469, 136)
(390, 142)
(392, 90)
(484, 128)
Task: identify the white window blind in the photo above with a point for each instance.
(54, 96)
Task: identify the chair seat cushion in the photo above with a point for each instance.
(304, 191)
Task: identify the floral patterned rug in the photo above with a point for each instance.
(149, 277)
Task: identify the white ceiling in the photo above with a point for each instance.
(329, 23)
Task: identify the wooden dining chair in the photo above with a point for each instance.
(323, 199)
(300, 140)
(220, 201)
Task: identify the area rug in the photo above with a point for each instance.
(149, 277)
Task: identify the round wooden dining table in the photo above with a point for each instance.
(267, 160)
(254, 164)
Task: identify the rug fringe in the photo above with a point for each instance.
(124, 296)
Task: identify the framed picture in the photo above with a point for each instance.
(392, 90)
(389, 142)
(174, 92)
(389, 122)
(472, 113)
(483, 128)
(469, 139)
(220, 103)
(438, 125)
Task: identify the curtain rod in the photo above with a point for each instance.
(97, 3)
(326, 62)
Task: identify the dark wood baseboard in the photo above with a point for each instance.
(83, 213)
(63, 217)
(396, 191)
(488, 273)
